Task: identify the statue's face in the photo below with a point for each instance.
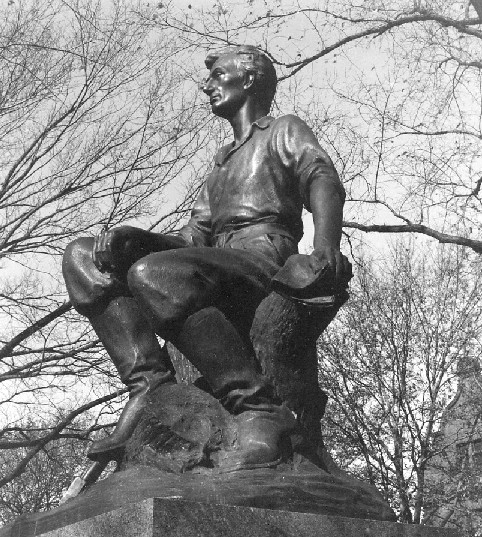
(225, 87)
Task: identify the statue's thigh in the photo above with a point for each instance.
(234, 280)
(243, 278)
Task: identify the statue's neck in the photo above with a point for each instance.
(243, 119)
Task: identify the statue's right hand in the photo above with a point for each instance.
(113, 248)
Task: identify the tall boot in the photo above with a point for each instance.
(212, 344)
(142, 365)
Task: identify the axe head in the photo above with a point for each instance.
(302, 280)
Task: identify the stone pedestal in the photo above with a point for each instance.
(157, 517)
(144, 502)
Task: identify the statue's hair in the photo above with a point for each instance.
(252, 60)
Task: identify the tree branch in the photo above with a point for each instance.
(423, 16)
(475, 245)
(20, 467)
(44, 321)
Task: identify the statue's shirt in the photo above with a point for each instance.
(249, 209)
(263, 181)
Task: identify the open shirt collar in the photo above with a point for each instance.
(225, 152)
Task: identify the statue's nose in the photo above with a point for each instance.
(207, 88)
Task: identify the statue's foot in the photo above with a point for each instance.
(112, 447)
(260, 436)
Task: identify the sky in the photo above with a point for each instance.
(363, 59)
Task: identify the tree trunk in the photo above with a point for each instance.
(284, 335)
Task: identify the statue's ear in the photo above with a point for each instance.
(249, 79)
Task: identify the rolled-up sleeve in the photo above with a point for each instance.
(197, 232)
(301, 154)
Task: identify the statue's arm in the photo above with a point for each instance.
(197, 232)
(321, 191)
(327, 209)
(325, 198)
(115, 250)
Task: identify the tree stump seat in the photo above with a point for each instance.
(284, 335)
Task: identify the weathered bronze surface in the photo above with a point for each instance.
(231, 292)
(200, 288)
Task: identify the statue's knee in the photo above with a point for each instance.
(88, 288)
(75, 256)
(140, 276)
(160, 272)
(164, 287)
(150, 279)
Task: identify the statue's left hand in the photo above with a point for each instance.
(116, 248)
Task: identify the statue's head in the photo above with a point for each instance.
(239, 68)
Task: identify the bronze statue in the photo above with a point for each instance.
(199, 287)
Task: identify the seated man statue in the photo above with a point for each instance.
(200, 286)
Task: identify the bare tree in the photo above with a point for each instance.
(48, 473)
(97, 118)
(395, 89)
(394, 92)
(389, 367)
(453, 481)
